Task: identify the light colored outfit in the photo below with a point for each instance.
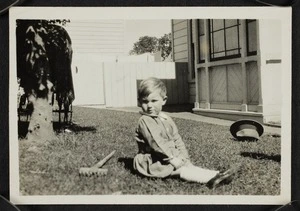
(158, 142)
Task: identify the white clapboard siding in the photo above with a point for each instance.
(180, 25)
(181, 48)
(99, 36)
(178, 21)
(180, 33)
(180, 39)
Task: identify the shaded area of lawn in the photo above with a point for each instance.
(178, 108)
(51, 168)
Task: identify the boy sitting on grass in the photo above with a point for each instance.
(162, 152)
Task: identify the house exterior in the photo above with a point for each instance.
(105, 75)
(234, 66)
(102, 37)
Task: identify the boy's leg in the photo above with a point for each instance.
(176, 173)
(223, 177)
(197, 174)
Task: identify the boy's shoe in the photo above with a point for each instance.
(224, 177)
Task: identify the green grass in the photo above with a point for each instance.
(51, 167)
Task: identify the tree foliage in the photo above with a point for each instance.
(147, 44)
(44, 56)
(165, 45)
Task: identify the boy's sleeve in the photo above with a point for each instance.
(143, 145)
(179, 144)
(140, 142)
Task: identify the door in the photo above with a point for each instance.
(88, 78)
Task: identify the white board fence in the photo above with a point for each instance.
(119, 81)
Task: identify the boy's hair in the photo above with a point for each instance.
(149, 85)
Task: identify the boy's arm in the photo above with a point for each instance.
(152, 136)
(179, 144)
(183, 157)
(142, 146)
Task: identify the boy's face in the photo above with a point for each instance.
(153, 103)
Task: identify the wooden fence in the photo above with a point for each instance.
(114, 84)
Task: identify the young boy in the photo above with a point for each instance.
(162, 152)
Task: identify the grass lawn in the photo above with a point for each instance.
(52, 167)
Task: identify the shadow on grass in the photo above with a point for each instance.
(58, 127)
(178, 108)
(22, 129)
(245, 139)
(128, 164)
(261, 156)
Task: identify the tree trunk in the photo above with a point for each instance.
(40, 126)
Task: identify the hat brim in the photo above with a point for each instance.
(235, 127)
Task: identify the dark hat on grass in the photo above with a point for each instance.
(246, 129)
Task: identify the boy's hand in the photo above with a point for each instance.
(176, 162)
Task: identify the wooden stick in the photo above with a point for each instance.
(104, 160)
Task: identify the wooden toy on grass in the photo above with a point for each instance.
(96, 169)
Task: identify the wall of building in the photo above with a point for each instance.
(253, 81)
(102, 37)
(181, 52)
(192, 84)
(270, 50)
(180, 46)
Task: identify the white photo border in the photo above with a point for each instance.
(90, 13)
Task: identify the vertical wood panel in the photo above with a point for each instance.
(88, 72)
(235, 86)
(162, 70)
(157, 71)
(202, 85)
(138, 71)
(110, 89)
(179, 77)
(127, 87)
(175, 88)
(133, 84)
(121, 81)
(186, 85)
(114, 85)
(218, 84)
(252, 82)
(107, 82)
(169, 90)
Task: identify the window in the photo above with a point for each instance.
(201, 41)
(251, 37)
(224, 39)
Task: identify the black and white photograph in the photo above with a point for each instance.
(150, 105)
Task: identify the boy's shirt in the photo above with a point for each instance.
(158, 135)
